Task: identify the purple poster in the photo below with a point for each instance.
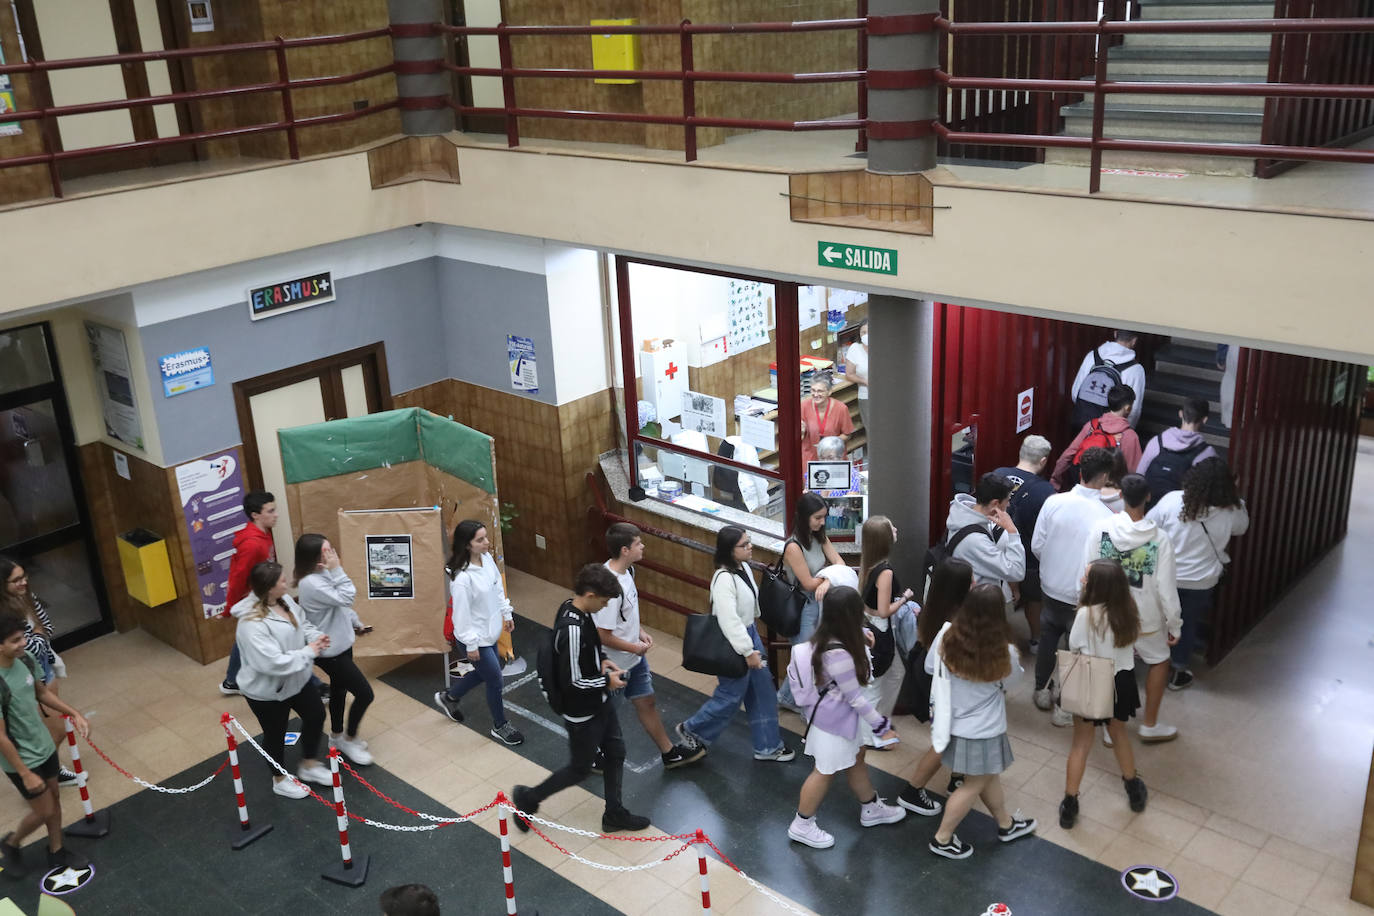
(212, 502)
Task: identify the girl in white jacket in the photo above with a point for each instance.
(480, 612)
(326, 594)
(279, 647)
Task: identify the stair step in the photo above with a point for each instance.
(1164, 12)
(1203, 370)
(1196, 53)
(1177, 342)
(1188, 70)
(1171, 101)
(1238, 40)
(1232, 166)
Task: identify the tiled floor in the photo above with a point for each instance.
(1255, 808)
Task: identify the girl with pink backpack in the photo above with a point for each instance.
(827, 674)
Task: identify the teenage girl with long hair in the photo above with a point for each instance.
(481, 612)
(804, 555)
(949, 586)
(980, 659)
(326, 594)
(1107, 625)
(886, 614)
(839, 665)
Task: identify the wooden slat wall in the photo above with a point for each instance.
(413, 159)
(900, 203)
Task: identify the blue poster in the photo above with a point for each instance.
(186, 371)
(524, 373)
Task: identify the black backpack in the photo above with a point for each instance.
(1092, 394)
(940, 551)
(1165, 473)
(546, 664)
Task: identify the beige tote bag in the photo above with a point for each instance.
(1087, 685)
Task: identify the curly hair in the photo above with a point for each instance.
(1208, 484)
(975, 648)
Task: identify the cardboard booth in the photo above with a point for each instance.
(387, 489)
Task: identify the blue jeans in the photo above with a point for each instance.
(487, 669)
(760, 700)
(232, 675)
(810, 619)
(1196, 604)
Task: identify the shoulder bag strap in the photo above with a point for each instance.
(1212, 543)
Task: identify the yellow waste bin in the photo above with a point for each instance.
(147, 568)
(615, 52)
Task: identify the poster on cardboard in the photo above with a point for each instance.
(524, 371)
(390, 573)
(114, 378)
(211, 491)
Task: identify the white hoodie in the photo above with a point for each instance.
(1134, 377)
(1199, 552)
(1060, 532)
(480, 606)
(1148, 558)
(996, 562)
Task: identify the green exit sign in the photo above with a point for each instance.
(857, 257)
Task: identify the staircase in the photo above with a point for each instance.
(1222, 58)
(1183, 369)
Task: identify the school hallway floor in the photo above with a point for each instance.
(1255, 809)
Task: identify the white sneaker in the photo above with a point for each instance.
(289, 788)
(808, 832)
(880, 812)
(1060, 718)
(355, 749)
(1106, 737)
(1044, 698)
(315, 773)
(515, 667)
(1153, 734)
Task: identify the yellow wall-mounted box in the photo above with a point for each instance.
(615, 52)
(147, 568)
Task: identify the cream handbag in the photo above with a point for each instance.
(1087, 685)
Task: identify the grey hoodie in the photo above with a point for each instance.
(1148, 558)
(997, 562)
(277, 659)
(327, 599)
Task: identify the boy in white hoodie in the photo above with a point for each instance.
(1146, 554)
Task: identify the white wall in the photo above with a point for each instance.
(576, 321)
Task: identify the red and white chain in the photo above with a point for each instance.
(152, 785)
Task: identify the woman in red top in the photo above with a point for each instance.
(822, 416)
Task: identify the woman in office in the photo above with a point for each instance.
(822, 416)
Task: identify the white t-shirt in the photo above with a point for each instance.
(857, 356)
(622, 625)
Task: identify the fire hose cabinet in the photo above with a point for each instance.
(615, 52)
(147, 568)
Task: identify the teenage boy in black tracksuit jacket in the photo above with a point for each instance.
(585, 678)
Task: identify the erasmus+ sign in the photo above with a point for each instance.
(856, 257)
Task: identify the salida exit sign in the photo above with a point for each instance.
(857, 257)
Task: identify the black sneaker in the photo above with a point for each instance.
(65, 858)
(228, 688)
(66, 777)
(680, 755)
(508, 734)
(13, 858)
(919, 800)
(1180, 679)
(1068, 811)
(1136, 792)
(685, 737)
(324, 693)
(954, 849)
(447, 706)
(620, 819)
(955, 781)
(599, 763)
(1019, 827)
(520, 798)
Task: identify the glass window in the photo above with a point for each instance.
(24, 358)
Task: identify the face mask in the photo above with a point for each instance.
(864, 338)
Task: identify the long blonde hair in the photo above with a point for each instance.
(877, 540)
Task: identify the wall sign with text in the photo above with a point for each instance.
(186, 371)
(280, 298)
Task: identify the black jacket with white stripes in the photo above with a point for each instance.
(577, 658)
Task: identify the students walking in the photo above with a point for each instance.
(979, 659)
(836, 659)
(735, 605)
(1106, 625)
(481, 612)
(278, 647)
(585, 676)
(28, 753)
(804, 555)
(326, 595)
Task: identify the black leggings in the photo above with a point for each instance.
(273, 715)
(345, 678)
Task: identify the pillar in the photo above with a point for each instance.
(901, 334)
(903, 52)
(424, 88)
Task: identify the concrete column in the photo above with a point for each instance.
(901, 333)
(901, 53)
(421, 121)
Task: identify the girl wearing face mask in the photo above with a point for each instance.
(822, 416)
(856, 369)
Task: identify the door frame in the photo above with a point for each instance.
(329, 371)
(55, 392)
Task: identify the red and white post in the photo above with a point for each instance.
(246, 833)
(95, 824)
(705, 882)
(348, 872)
(501, 804)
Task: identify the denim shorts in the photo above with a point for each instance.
(638, 681)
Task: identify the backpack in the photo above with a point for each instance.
(546, 663)
(1165, 473)
(1092, 394)
(1097, 437)
(944, 550)
(801, 677)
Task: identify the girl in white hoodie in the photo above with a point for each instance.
(480, 612)
(279, 647)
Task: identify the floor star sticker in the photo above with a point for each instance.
(1149, 882)
(67, 878)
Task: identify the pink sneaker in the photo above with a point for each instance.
(808, 832)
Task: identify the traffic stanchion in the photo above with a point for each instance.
(95, 824)
(350, 872)
(701, 863)
(501, 811)
(246, 832)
